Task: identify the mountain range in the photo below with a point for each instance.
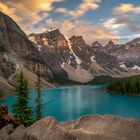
(60, 59)
(83, 62)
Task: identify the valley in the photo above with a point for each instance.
(69, 70)
(54, 55)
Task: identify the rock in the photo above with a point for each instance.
(46, 131)
(91, 127)
(87, 127)
(5, 132)
(110, 44)
(9, 133)
(18, 133)
(7, 118)
(96, 47)
(106, 60)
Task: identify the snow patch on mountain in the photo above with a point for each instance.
(44, 38)
(136, 67)
(69, 60)
(76, 57)
(93, 58)
(79, 48)
(17, 66)
(122, 65)
(39, 47)
(51, 29)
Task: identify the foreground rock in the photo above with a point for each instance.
(85, 128)
(7, 118)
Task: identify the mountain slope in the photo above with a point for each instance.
(127, 54)
(16, 49)
(74, 56)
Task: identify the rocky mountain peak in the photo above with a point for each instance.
(51, 39)
(134, 42)
(110, 44)
(96, 47)
(7, 23)
(96, 44)
(80, 49)
(52, 30)
(77, 40)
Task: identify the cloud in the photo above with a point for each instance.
(82, 8)
(123, 26)
(33, 5)
(130, 37)
(126, 8)
(9, 11)
(120, 23)
(26, 12)
(29, 13)
(89, 32)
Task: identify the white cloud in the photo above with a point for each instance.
(77, 27)
(123, 22)
(82, 8)
(26, 12)
(126, 8)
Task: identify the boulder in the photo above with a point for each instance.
(90, 127)
(94, 127)
(7, 118)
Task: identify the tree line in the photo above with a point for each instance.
(21, 108)
(128, 85)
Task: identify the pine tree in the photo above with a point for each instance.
(128, 85)
(38, 98)
(21, 108)
(1, 95)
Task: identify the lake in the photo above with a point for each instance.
(71, 102)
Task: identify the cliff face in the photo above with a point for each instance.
(18, 53)
(85, 128)
(53, 48)
(103, 57)
(127, 54)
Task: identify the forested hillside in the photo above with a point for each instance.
(128, 85)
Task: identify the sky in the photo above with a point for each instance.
(101, 20)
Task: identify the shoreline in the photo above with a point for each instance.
(128, 94)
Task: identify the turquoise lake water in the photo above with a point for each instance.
(67, 103)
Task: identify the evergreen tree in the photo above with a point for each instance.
(1, 95)
(128, 85)
(21, 108)
(38, 99)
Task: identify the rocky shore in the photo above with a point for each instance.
(93, 127)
